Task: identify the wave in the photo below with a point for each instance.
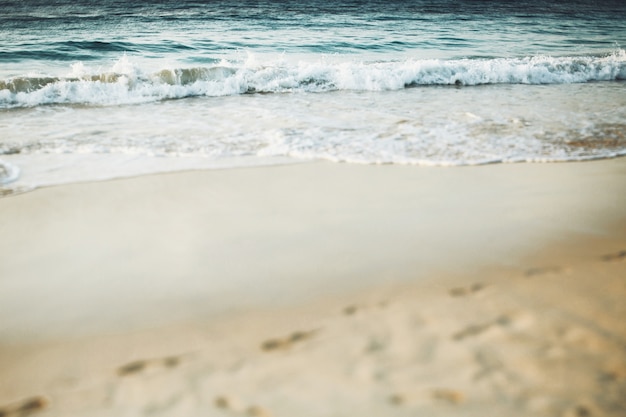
(126, 83)
(84, 50)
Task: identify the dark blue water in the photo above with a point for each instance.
(200, 32)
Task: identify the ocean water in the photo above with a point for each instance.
(101, 89)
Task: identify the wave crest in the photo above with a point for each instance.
(125, 83)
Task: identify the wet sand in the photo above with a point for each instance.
(317, 290)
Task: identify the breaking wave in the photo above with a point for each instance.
(126, 83)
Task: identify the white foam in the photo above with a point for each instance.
(415, 126)
(8, 172)
(127, 83)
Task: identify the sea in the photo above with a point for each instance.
(94, 90)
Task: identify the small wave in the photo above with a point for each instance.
(63, 51)
(84, 50)
(126, 83)
(8, 172)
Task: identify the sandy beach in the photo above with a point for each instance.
(318, 289)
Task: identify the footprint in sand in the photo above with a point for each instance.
(223, 402)
(397, 399)
(353, 309)
(171, 361)
(227, 403)
(476, 329)
(132, 368)
(465, 291)
(613, 373)
(140, 365)
(615, 257)
(24, 408)
(256, 411)
(350, 310)
(582, 411)
(448, 395)
(472, 330)
(441, 395)
(287, 342)
(546, 270)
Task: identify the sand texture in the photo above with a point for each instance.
(511, 304)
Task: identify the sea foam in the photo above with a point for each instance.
(8, 172)
(126, 83)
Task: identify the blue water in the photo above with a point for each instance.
(87, 88)
(203, 32)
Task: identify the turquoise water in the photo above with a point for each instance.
(95, 90)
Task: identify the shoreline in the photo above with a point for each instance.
(320, 288)
(189, 164)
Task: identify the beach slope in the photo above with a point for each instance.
(318, 289)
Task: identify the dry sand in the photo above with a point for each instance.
(318, 290)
